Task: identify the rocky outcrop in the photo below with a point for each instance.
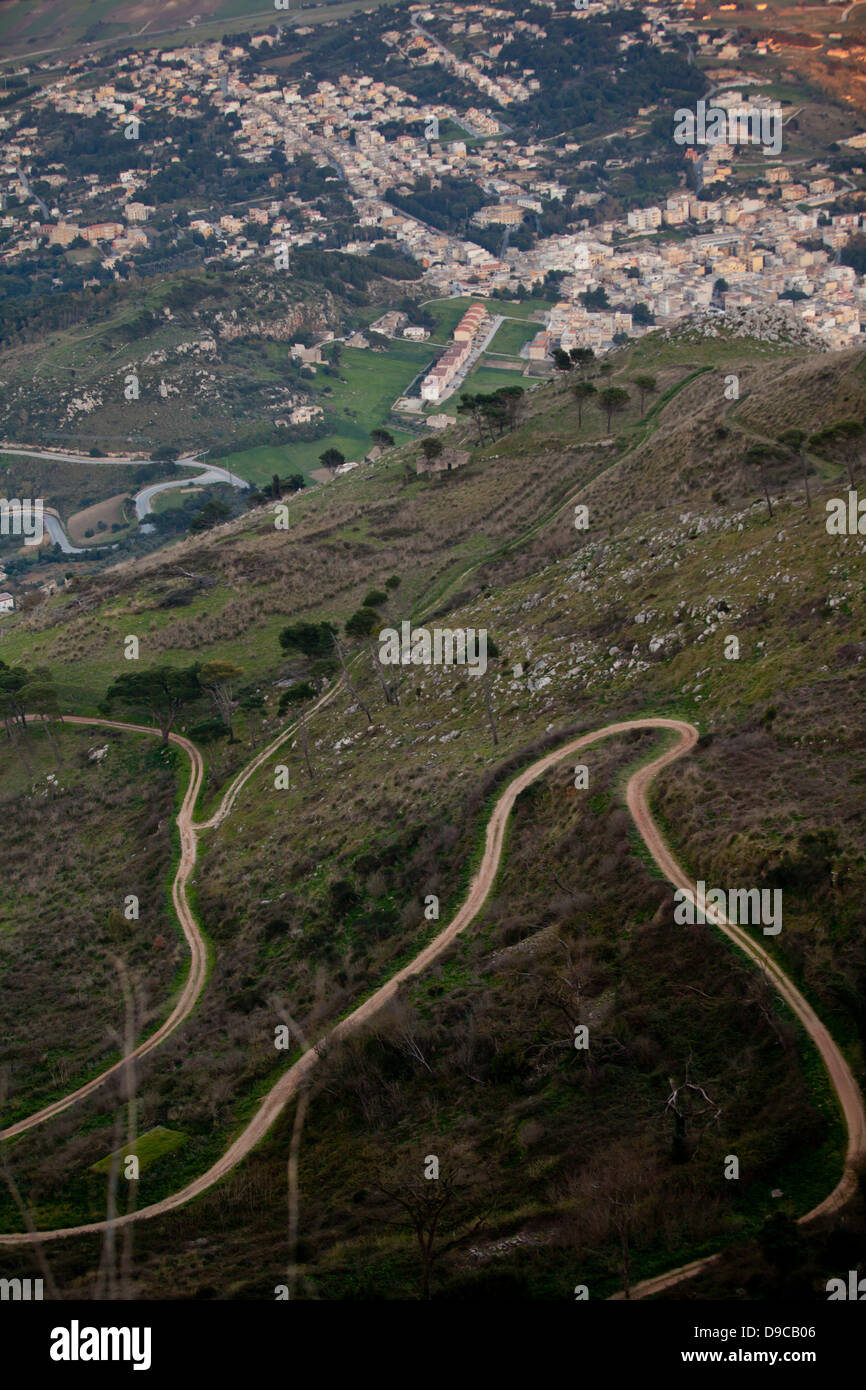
(771, 323)
(283, 328)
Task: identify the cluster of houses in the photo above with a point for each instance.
(47, 589)
(440, 377)
(768, 235)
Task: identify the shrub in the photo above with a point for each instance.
(209, 731)
(296, 694)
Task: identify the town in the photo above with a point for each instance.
(691, 251)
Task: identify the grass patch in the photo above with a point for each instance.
(149, 1147)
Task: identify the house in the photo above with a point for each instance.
(389, 324)
(7, 603)
(303, 414)
(102, 231)
(63, 234)
(469, 324)
(307, 355)
(137, 212)
(448, 460)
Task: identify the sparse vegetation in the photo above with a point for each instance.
(316, 893)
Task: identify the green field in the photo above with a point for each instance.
(371, 383)
(170, 500)
(511, 335)
(150, 1146)
(486, 379)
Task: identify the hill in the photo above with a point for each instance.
(311, 894)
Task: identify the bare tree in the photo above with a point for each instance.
(363, 624)
(401, 1023)
(619, 1199)
(217, 678)
(562, 991)
(428, 1205)
(37, 1248)
(691, 1109)
(796, 442)
(292, 1165)
(492, 654)
(757, 457)
(348, 682)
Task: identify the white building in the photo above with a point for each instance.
(644, 219)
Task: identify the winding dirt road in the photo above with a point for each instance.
(189, 831)
(198, 950)
(843, 1082)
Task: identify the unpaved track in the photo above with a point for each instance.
(188, 830)
(198, 950)
(843, 1082)
(841, 1077)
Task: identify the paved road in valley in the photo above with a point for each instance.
(210, 473)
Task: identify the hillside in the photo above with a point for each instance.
(310, 896)
(209, 352)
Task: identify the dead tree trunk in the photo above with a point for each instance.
(767, 493)
(346, 677)
(305, 746)
(488, 706)
(805, 464)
